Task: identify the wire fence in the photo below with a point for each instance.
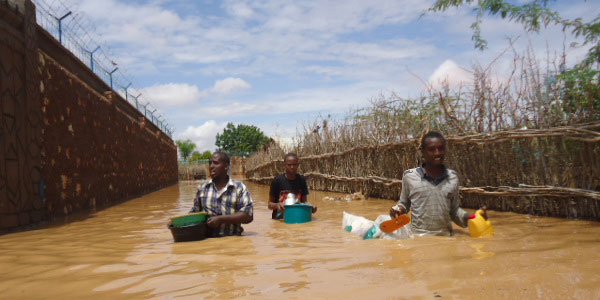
(77, 33)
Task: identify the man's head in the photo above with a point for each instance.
(433, 148)
(219, 164)
(291, 163)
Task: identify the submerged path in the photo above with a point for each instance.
(126, 252)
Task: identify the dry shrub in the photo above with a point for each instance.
(527, 143)
(530, 96)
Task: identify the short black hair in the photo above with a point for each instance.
(292, 154)
(224, 157)
(430, 135)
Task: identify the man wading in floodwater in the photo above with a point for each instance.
(227, 201)
(289, 182)
(431, 190)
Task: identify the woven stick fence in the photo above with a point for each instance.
(550, 172)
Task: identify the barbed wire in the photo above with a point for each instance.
(77, 33)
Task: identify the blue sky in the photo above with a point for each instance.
(278, 64)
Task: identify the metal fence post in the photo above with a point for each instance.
(110, 74)
(59, 20)
(91, 57)
(136, 101)
(125, 88)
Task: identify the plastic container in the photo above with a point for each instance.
(393, 224)
(480, 227)
(297, 213)
(188, 233)
(290, 199)
(189, 219)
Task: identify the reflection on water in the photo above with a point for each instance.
(127, 252)
(479, 252)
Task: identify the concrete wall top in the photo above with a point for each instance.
(20, 4)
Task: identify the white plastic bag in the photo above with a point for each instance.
(356, 225)
(368, 229)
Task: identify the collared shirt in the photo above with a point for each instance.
(434, 181)
(434, 201)
(234, 198)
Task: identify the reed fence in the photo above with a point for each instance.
(549, 172)
(193, 170)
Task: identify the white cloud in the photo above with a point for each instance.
(285, 142)
(336, 99)
(239, 9)
(254, 37)
(449, 73)
(204, 136)
(181, 94)
(231, 109)
(229, 85)
(172, 94)
(330, 18)
(283, 135)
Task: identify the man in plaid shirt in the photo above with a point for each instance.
(227, 202)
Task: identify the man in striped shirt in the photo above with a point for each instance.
(431, 191)
(228, 202)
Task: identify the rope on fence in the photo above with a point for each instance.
(374, 179)
(574, 132)
(522, 190)
(531, 190)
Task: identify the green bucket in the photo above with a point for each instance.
(189, 219)
(188, 233)
(297, 213)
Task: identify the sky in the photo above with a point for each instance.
(280, 64)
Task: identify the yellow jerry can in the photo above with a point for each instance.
(480, 227)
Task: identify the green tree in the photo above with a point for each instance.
(195, 156)
(206, 155)
(198, 156)
(185, 148)
(242, 140)
(532, 15)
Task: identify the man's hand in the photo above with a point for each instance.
(214, 221)
(314, 209)
(396, 212)
(280, 206)
(484, 212)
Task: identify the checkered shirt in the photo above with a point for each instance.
(233, 199)
(435, 203)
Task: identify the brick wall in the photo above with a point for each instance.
(67, 142)
(20, 119)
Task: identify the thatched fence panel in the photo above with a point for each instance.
(551, 172)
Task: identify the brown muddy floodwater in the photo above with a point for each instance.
(126, 252)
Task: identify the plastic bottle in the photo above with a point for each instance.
(480, 227)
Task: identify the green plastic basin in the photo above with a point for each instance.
(189, 219)
(297, 213)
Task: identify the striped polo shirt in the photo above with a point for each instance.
(434, 202)
(234, 198)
